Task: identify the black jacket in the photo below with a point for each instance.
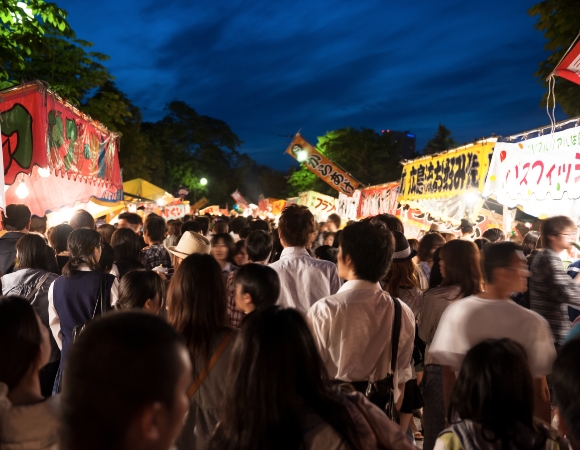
(8, 253)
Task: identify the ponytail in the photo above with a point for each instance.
(81, 245)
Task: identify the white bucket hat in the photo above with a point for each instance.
(189, 244)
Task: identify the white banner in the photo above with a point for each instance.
(541, 174)
(347, 207)
(172, 212)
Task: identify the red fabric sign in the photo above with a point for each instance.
(569, 67)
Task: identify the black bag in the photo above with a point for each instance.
(100, 301)
(382, 392)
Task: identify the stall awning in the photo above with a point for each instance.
(140, 188)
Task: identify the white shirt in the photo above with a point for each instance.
(467, 322)
(353, 329)
(303, 279)
(54, 320)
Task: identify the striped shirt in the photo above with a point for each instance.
(551, 291)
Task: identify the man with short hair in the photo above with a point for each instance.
(353, 328)
(16, 222)
(492, 315)
(259, 247)
(565, 376)
(130, 220)
(303, 279)
(204, 223)
(155, 255)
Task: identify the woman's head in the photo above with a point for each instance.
(24, 341)
(530, 242)
(106, 231)
(141, 288)
(494, 388)
(196, 301)
(58, 236)
(401, 275)
(435, 277)
(223, 247)
(84, 246)
(460, 266)
(256, 286)
(31, 252)
(174, 228)
(240, 254)
(126, 245)
(428, 245)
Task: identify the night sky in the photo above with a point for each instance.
(269, 68)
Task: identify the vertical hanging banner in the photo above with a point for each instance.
(569, 67)
(240, 200)
(321, 166)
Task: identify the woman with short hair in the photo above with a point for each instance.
(141, 288)
(127, 248)
(223, 249)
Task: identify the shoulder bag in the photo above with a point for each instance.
(37, 287)
(382, 392)
(103, 309)
(204, 373)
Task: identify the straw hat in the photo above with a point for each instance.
(189, 244)
(402, 250)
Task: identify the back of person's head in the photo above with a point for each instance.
(295, 226)
(448, 236)
(497, 255)
(327, 253)
(174, 227)
(427, 246)
(259, 245)
(565, 376)
(107, 258)
(196, 302)
(38, 224)
(237, 224)
(259, 224)
(370, 248)
(16, 217)
(220, 227)
(58, 236)
(495, 390)
(553, 227)
(81, 245)
(466, 227)
(31, 252)
(335, 219)
(106, 231)
(155, 229)
(82, 219)
(462, 267)
(141, 288)
(244, 232)
(480, 242)
(260, 282)
(127, 374)
(277, 369)
(190, 225)
(21, 340)
(126, 245)
(401, 275)
(131, 218)
(494, 235)
(203, 223)
(413, 244)
(393, 223)
(435, 277)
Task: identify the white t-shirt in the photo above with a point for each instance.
(467, 322)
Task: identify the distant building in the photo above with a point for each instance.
(406, 141)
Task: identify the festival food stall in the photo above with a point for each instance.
(445, 188)
(143, 196)
(320, 205)
(55, 158)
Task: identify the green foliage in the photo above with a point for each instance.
(36, 42)
(559, 21)
(370, 157)
(441, 141)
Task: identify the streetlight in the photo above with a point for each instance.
(203, 181)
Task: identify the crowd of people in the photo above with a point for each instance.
(234, 333)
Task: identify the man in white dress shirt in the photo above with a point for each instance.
(303, 279)
(353, 328)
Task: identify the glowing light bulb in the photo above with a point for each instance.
(161, 202)
(203, 181)
(302, 155)
(22, 190)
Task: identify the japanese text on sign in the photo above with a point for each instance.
(378, 200)
(321, 166)
(319, 204)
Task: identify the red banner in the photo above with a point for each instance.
(569, 67)
(380, 199)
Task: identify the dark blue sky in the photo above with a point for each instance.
(268, 68)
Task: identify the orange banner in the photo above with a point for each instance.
(321, 166)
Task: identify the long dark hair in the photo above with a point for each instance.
(530, 242)
(20, 339)
(495, 389)
(276, 372)
(81, 245)
(197, 303)
(32, 252)
(462, 267)
(127, 246)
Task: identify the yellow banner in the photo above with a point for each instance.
(199, 204)
(447, 175)
(321, 166)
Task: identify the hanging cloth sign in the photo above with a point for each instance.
(380, 199)
(321, 166)
(569, 67)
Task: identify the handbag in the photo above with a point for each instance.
(382, 392)
(205, 372)
(76, 331)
